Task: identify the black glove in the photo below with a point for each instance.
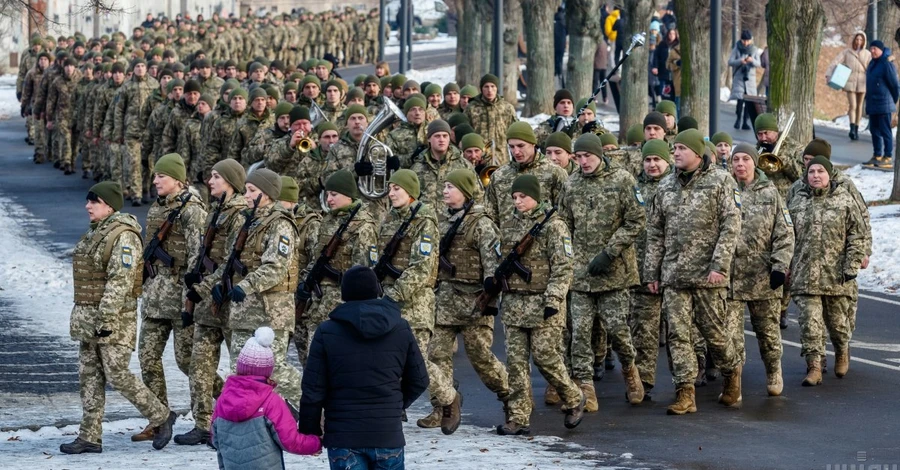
(678, 62)
(187, 319)
(237, 294)
(192, 278)
(194, 297)
(491, 286)
(363, 168)
(393, 163)
(549, 312)
(847, 278)
(18, 96)
(776, 279)
(302, 294)
(490, 312)
(589, 127)
(600, 264)
(218, 294)
(102, 333)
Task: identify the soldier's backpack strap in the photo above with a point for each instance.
(111, 238)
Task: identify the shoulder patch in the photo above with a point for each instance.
(497, 249)
(567, 246)
(737, 197)
(787, 217)
(373, 255)
(426, 245)
(284, 246)
(127, 257)
(638, 195)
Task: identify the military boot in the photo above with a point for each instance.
(587, 388)
(824, 364)
(599, 372)
(145, 435)
(813, 372)
(162, 434)
(551, 396)
(512, 428)
(433, 420)
(712, 372)
(731, 389)
(841, 362)
(80, 446)
(67, 169)
(575, 414)
(634, 388)
(774, 383)
(782, 321)
(451, 416)
(700, 380)
(192, 438)
(684, 401)
(609, 363)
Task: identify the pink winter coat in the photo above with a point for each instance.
(252, 424)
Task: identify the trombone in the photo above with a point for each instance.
(769, 162)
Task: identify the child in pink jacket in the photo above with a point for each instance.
(252, 424)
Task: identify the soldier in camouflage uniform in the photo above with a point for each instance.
(417, 262)
(450, 104)
(434, 164)
(342, 155)
(669, 111)
(564, 105)
(151, 141)
(222, 131)
(531, 309)
(723, 143)
(190, 144)
(39, 103)
(164, 294)
(491, 115)
(404, 140)
(630, 156)
(558, 148)
(60, 110)
(692, 231)
(334, 100)
(31, 85)
(183, 109)
(104, 115)
(761, 261)
(209, 83)
(82, 96)
(128, 126)
(307, 168)
(311, 91)
(259, 117)
(107, 272)
(827, 259)
(471, 254)
(211, 327)
(27, 62)
(103, 78)
(261, 143)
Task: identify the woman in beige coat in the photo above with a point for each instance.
(856, 58)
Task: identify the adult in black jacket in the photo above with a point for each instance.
(364, 369)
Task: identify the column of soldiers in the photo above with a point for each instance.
(583, 247)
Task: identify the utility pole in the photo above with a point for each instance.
(735, 22)
(409, 33)
(381, 21)
(401, 33)
(715, 58)
(497, 33)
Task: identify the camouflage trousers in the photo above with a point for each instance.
(598, 339)
(131, 166)
(541, 343)
(99, 364)
(40, 152)
(205, 382)
(87, 151)
(147, 174)
(477, 340)
(302, 341)
(708, 310)
(152, 343)
(440, 384)
(646, 310)
(819, 313)
(764, 316)
(49, 144)
(114, 163)
(64, 143)
(612, 309)
(286, 376)
(29, 127)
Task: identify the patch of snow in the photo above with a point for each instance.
(609, 120)
(831, 37)
(843, 123)
(440, 75)
(883, 273)
(442, 41)
(9, 105)
(724, 94)
(875, 185)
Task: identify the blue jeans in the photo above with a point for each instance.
(882, 140)
(368, 458)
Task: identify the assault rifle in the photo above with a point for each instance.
(385, 267)
(154, 251)
(234, 264)
(204, 263)
(447, 241)
(512, 264)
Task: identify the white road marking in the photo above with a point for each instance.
(879, 299)
(857, 359)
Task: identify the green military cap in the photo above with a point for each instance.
(560, 140)
(266, 181)
(107, 192)
(456, 118)
(232, 172)
(408, 180)
(634, 134)
(659, 148)
(326, 126)
(488, 78)
(398, 80)
(359, 80)
(412, 102)
(432, 89)
(589, 143)
(208, 99)
(766, 122)
(290, 191)
(371, 79)
(464, 180)
(283, 108)
(356, 93)
(528, 185)
(451, 87)
(311, 79)
(272, 91)
(582, 102)
(385, 81)
(254, 67)
(818, 146)
(687, 122)
(746, 149)
(655, 118)
(692, 139)
(826, 163)
(289, 86)
(298, 112)
(470, 140)
(342, 182)
(666, 107)
(171, 165)
(37, 42)
(258, 92)
(339, 84)
(711, 147)
(438, 125)
(609, 139)
(521, 130)
(720, 137)
(239, 92)
(462, 130)
(355, 109)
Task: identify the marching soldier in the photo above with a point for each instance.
(489, 114)
(563, 120)
(668, 109)
(761, 261)
(103, 123)
(223, 130)
(693, 227)
(190, 145)
(334, 100)
(259, 117)
(408, 278)
(107, 273)
(434, 164)
(472, 146)
(32, 83)
(603, 230)
(261, 143)
(558, 147)
(450, 104)
(128, 126)
(60, 110)
(404, 140)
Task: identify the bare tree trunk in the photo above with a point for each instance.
(693, 29)
(583, 23)
(469, 43)
(889, 32)
(635, 69)
(512, 17)
(795, 39)
(539, 39)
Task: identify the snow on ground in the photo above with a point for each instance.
(442, 41)
(883, 273)
(9, 105)
(875, 185)
(440, 75)
(608, 120)
(840, 122)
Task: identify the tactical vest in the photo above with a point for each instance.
(252, 257)
(342, 260)
(175, 244)
(532, 259)
(302, 230)
(91, 277)
(219, 252)
(464, 254)
(401, 258)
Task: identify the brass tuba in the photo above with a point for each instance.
(376, 152)
(485, 175)
(769, 162)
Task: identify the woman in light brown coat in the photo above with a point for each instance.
(856, 58)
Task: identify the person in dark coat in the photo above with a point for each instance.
(364, 369)
(882, 93)
(559, 41)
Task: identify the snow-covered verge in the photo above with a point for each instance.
(9, 105)
(440, 75)
(883, 273)
(607, 119)
(442, 41)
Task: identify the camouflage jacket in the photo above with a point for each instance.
(554, 124)
(629, 158)
(104, 100)
(171, 133)
(445, 110)
(404, 141)
(244, 131)
(604, 213)
(130, 104)
(766, 243)
(830, 242)
(26, 63)
(227, 226)
(82, 95)
(360, 239)
(151, 144)
(308, 222)
(333, 113)
(498, 200)
(211, 85)
(841, 179)
(432, 172)
(32, 83)
(693, 228)
(306, 168)
(648, 187)
(341, 155)
(116, 311)
(61, 99)
(220, 135)
(491, 120)
(189, 147)
(39, 100)
(261, 145)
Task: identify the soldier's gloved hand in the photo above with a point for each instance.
(847, 278)
(218, 294)
(491, 286)
(18, 96)
(194, 297)
(303, 294)
(192, 278)
(393, 163)
(600, 264)
(103, 332)
(777, 279)
(237, 294)
(549, 312)
(186, 319)
(490, 312)
(363, 168)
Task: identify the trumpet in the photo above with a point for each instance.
(305, 144)
(769, 162)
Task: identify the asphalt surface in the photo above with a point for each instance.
(850, 421)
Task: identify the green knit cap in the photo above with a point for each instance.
(582, 102)
(456, 118)
(412, 102)
(233, 173)
(559, 139)
(311, 79)
(462, 130)
(237, 92)
(471, 140)
(659, 148)
(283, 108)
(171, 165)
(527, 185)
(355, 109)
(356, 93)
(109, 192)
(521, 130)
(711, 147)
(266, 181)
(720, 137)
(692, 139)
(208, 99)
(766, 122)
(359, 80)
(342, 182)
(289, 86)
(432, 89)
(589, 143)
(258, 92)
(469, 91)
(489, 78)
(666, 107)
(407, 180)
(385, 81)
(687, 122)
(634, 134)
(451, 87)
(818, 146)
(821, 160)
(290, 192)
(609, 139)
(748, 149)
(326, 126)
(398, 80)
(465, 181)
